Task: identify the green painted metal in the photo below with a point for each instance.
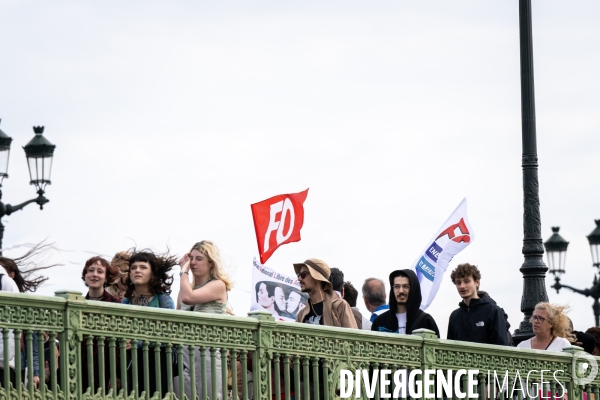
(271, 360)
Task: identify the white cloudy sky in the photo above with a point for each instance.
(171, 118)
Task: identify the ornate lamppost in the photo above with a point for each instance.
(533, 268)
(39, 153)
(556, 247)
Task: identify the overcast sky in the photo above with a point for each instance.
(171, 118)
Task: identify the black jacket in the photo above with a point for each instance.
(387, 322)
(481, 322)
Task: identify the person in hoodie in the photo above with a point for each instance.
(404, 315)
(478, 318)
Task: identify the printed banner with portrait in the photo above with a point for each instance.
(276, 293)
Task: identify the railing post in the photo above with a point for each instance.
(70, 346)
(261, 358)
(579, 357)
(430, 341)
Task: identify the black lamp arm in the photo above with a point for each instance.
(40, 200)
(557, 285)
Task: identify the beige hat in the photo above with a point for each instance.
(318, 269)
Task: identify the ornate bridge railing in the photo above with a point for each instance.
(95, 350)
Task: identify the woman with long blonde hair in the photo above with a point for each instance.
(206, 293)
(210, 283)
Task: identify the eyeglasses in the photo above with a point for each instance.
(537, 318)
(302, 274)
(398, 287)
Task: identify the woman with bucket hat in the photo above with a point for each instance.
(324, 306)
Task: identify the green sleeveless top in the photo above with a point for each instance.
(212, 307)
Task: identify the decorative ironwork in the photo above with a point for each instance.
(283, 355)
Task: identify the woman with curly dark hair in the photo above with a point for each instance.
(148, 282)
(149, 285)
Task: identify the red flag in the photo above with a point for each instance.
(278, 221)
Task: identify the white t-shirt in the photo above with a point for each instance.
(557, 344)
(8, 285)
(401, 322)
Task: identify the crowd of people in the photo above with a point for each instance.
(143, 278)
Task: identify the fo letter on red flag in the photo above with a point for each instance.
(278, 221)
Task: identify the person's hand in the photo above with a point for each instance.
(184, 263)
(184, 260)
(36, 381)
(128, 344)
(47, 369)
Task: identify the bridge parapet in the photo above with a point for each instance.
(111, 351)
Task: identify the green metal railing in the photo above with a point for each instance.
(111, 351)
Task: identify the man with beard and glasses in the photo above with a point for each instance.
(404, 315)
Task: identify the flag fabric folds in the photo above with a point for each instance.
(278, 221)
(454, 235)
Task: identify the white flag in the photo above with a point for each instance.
(454, 235)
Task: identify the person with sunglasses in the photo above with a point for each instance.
(325, 307)
(551, 328)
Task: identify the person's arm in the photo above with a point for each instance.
(498, 333)
(9, 285)
(213, 291)
(178, 305)
(451, 333)
(36, 359)
(300, 315)
(346, 316)
(432, 325)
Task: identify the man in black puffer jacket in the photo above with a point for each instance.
(477, 319)
(404, 315)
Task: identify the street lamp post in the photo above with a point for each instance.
(556, 247)
(533, 268)
(39, 153)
